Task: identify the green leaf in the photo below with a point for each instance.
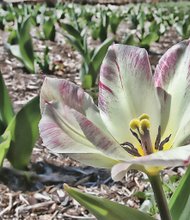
(13, 38)
(100, 53)
(130, 40)
(6, 108)
(104, 22)
(26, 46)
(114, 21)
(76, 44)
(5, 140)
(15, 51)
(87, 81)
(149, 39)
(104, 209)
(49, 29)
(71, 30)
(180, 201)
(24, 133)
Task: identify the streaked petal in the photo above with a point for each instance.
(61, 133)
(95, 160)
(103, 142)
(126, 90)
(65, 92)
(173, 75)
(69, 131)
(61, 90)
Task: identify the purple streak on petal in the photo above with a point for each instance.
(102, 86)
(138, 58)
(186, 162)
(108, 72)
(101, 99)
(96, 136)
(72, 94)
(120, 75)
(167, 64)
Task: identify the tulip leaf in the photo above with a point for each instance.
(5, 140)
(71, 30)
(24, 133)
(104, 209)
(15, 51)
(100, 53)
(87, 81)
(49, 29)
(180, 201)
(149, 39)
(6, 108)
(26, 46)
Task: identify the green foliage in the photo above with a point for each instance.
(18, 132)
(114, 20)
(24, 133)
(92, 58)
(104, 209)
(5, 141)
(49, 29)
(25, 45)
(183, 27)
(99, 26)
(44, 62)
(24, 50)
(6, 108)
(180, 201)
(13, 37)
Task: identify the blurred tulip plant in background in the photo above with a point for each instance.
(142, 122)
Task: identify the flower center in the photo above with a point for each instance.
(140, 129)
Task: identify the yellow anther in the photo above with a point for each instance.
(134, 124)
(144, 116)
(144, 124)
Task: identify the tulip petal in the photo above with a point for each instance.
(126, 90)
(171, 158)
(67, 131)
(173, 75)
(61, 133)
(61, 90)
(103, 142)
(119, 171)
(179, 156)
(95, 160)
(165, 102)
(67, 93)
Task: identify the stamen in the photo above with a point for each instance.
(144, 116)
(161, 145)
(145, 125)
(158, 138)
(130, 149)
(140, 129)
(134, 124)
(135, 135)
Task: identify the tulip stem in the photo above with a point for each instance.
(160, 197)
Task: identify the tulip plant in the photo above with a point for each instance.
(141, 121)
